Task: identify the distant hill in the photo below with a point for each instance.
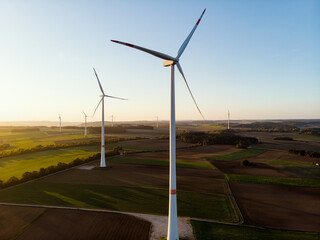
(38, 123)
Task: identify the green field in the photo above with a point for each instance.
(17, 165)
(132, 199)
(160, 162)
(304, 182)
(39, 137)
(216, 231)
(246, 153)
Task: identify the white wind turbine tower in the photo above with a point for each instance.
(171, 61)
(111, 120)
(85, 123)
(157, 121)
(228, 119)
(103, 95)
(60, 121)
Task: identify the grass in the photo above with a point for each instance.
(304, 182)
(161, 162)
(132, 199)
(246, 153)
(17, 165)
(210, 231)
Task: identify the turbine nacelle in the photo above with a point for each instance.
(168, 63)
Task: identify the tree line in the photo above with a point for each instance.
(305, 153)
(223, 137)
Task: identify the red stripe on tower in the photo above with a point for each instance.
(173, 192)
(102, 146)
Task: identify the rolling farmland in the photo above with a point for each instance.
(208, 177)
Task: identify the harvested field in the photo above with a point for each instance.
(260, 169)
(75, 224)
(13, 220)
(189, 179)
(146, 145)
(192, 153)
(280, 155)
(217, 231)
(281, 207)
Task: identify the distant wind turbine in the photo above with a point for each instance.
(171, 61)
(85, 123)
(228, 119)
(60, 121)
(157, 121)
(103, 95)
(111, 120)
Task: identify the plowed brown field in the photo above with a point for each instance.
(282, 207)
(66, 224)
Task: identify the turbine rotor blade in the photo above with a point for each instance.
(97, 107)
(84, 113)
(185, 43)
(180, 70)
(115, 97)
(98, 81)
(154, 53)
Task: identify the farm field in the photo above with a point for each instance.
(209, 231)
(273, 191)
(43, 223)
(277, 206)
(39, 136)
(201, 194)
(17, 165)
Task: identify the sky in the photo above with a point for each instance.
(259, 59)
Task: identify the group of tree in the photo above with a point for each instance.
(305, 153)
(224, 137)
(284, 138)
(311, 131)
(27, 176)
(4, 146)
(269, 127)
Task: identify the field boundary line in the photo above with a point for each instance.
(232, 200)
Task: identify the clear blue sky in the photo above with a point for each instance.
(260, 59)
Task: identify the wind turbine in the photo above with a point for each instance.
(228, 119)
(103, 95)
(85, 123)
(111, 120)
(157, 121)
(60, 121)
(172, 61)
